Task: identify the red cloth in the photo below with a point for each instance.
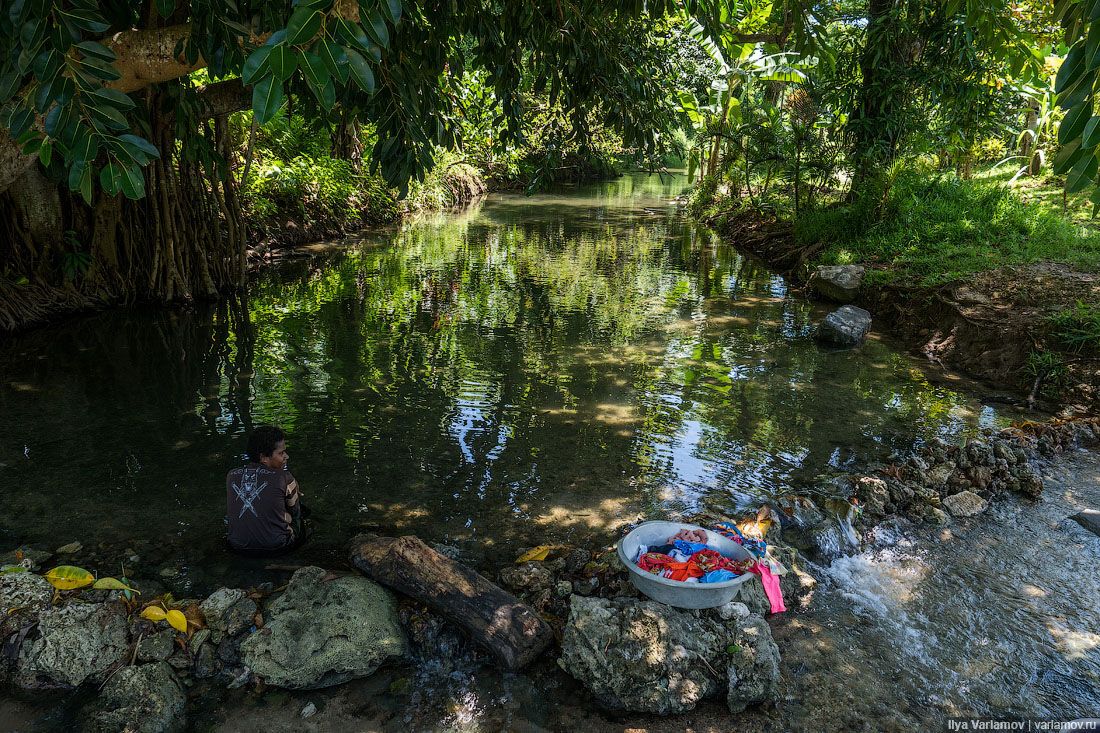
(696, 566)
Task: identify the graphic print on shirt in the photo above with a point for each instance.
(248, 490)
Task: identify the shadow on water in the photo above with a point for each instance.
(546, 367)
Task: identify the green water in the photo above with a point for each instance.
(529, 370)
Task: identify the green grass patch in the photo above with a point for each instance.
(1078, 327)
(934, 229)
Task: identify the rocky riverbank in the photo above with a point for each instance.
(325, 628)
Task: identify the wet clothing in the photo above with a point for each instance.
(262, 508)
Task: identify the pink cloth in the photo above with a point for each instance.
(771, 586)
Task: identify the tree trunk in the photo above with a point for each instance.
(508, 629)
(874, 123)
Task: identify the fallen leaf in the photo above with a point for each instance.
(154, 614)
(536, 554)
(69, 577)
(113, 584)
(177, 621)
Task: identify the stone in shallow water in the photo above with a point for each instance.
(845, 327)
(643, 656)
(228, 611)
(77, 642)
(1089, 519)
(324, 631)
(144, 699)
(965, 504)
(839, 283)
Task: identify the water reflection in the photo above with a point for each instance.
(532, 366)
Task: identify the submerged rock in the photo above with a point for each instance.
(324, 631)
(965, 504)
(76, 642)
(228, 611)
(845, 327)
(143, 699)
(643, 656)
(839, 283)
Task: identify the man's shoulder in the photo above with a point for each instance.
(255, 469)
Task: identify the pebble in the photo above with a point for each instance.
(308, 710)
(70, 549)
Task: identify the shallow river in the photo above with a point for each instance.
(534, 370)
(531, 368)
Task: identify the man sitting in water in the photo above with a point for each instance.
(263, 500)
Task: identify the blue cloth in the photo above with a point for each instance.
(756, 547)
(718, 576)
(689, 548)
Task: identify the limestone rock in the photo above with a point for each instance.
(839, 283)
(643, 656)
(228, 611)
(143, 699)
(845, 327)
(156, 647)
(526, 577)
(965, 504)
(27, 592)
(323, 632)
(76, 642)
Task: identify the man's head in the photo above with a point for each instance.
(267, 445)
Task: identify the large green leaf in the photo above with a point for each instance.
(256, 64)
(283, 62)
(375, 26)
(1074, 122)
(361, 71)
(334, 57)
(267, 98)
(1091, 135)
(1067, 156)
(392, 9)
(1072, 67)
(303, 25)
(317, 74)
(1082, 173)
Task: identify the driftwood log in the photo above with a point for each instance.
(510, 630)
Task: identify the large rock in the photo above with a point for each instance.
(643, 656)
(839, 283)
(23, 597)
(228, 611)
(324, 631)
(143, 699)
(845, 327)
(76, 642)
(965, 504)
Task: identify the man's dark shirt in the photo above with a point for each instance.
(260, 507)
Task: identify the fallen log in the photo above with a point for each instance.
(510, 630)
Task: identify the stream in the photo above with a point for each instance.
(535, 370)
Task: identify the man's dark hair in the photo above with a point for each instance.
(263, 440)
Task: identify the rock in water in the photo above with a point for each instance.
(965, 504)
(77, 642)
(143, 699)
(839, 283)
(642, 656)
(228, 611)
(1089, 519)
(845, 327)
(23, 597)
(324, 632)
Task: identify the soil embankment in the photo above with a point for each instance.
(994, 326)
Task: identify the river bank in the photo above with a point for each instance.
(998, 326)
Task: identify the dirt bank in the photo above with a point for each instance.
(994, 326)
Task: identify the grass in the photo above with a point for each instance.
(1078, 327)
(936, 228)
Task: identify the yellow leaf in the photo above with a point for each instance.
(112, 584)
(536, 554)
(177, 621)
(154, 614)
(68, 577)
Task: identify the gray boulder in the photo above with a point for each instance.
(643, 656)
(839, 283)
(143, 699)
(228, 611)
(76, 642)
(965, 504)
(26, 592)
(324, 631)
(845, 327)
(156, 647)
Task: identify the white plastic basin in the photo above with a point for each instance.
(674, 592)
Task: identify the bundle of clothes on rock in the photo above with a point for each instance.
(686, 557)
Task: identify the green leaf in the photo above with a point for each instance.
(267, 98)
(99, 51)
(109, 116)
(45, 154)
(166, 7)
(361, 71)
(85, 20)
(392, 9)
(334, 58)
(1091, 135)
(1072, 67)
(256, 64)
(303, 25)
(112, 584)
(69, 577)
(377, 30)
(1073, 124)
(283, 62)
(1081, 175)
(314, 68)
(141, 144)
(1067, 156)
(110, 178)
(133, 183)
(113, 97)
(85, 148)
